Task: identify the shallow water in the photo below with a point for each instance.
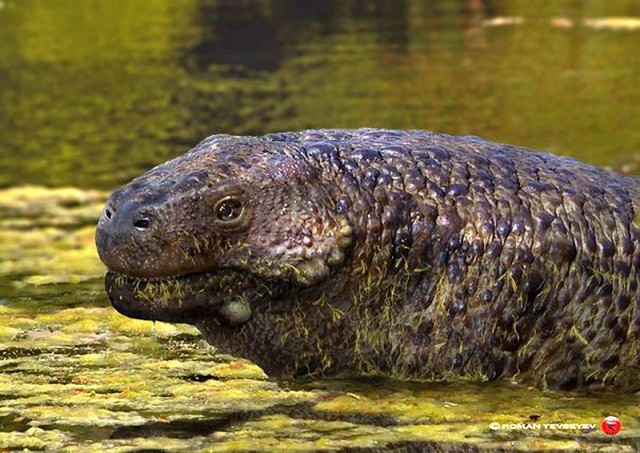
(93, 93)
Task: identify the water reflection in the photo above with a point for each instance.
(239, 35)
(91, 95)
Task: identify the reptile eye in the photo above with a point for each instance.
(229, 209)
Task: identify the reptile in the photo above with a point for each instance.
(401, 253)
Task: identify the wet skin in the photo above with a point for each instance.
(403, 253)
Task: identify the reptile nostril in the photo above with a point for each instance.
(142, 224)
(109, 210)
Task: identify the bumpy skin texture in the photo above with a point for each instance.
(403, 253)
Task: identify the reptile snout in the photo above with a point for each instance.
(149, 230)
(128, 218)
(126, 230)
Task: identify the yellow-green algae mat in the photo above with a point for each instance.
(77, 376)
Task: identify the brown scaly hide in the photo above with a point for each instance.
(402, 253)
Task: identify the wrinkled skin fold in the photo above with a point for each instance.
(404, 253)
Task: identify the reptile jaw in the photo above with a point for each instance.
(186, 298)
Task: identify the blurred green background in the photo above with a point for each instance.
(94, 92)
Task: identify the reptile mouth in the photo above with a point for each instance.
(182, 298)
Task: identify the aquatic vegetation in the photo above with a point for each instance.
(47, 235)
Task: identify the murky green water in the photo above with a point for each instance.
(93, 93)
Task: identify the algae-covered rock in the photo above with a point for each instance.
(46, 235)
(33, 439)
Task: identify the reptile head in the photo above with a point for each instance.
(232, 224)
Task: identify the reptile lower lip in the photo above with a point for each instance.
(179, 299)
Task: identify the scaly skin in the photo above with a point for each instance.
(403, 253)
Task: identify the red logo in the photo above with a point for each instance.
(611, 425)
